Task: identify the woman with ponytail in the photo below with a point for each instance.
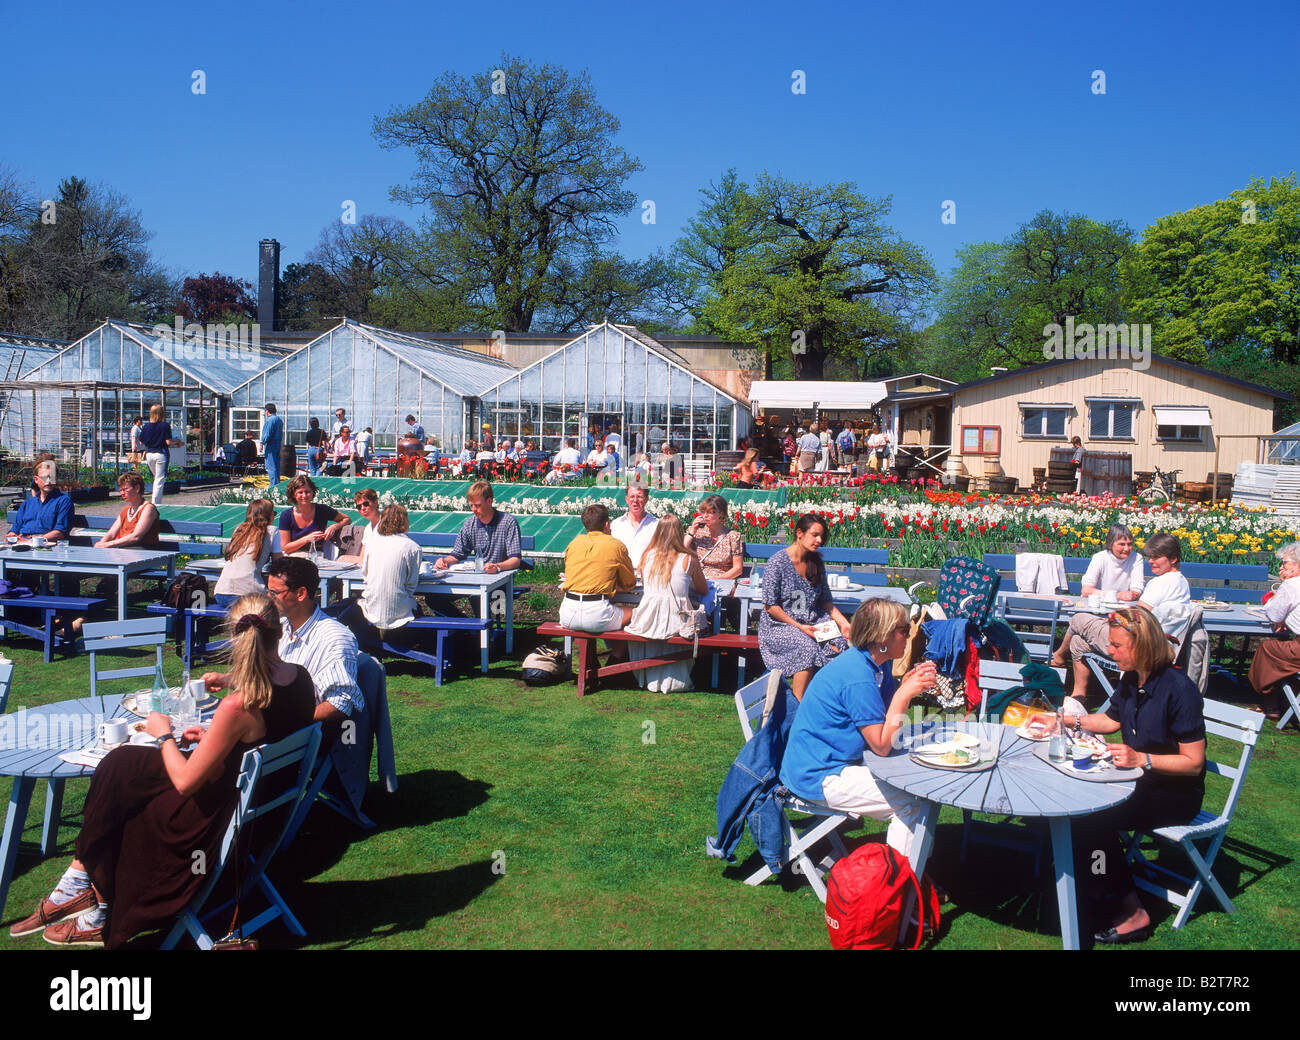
(152, 813)
(246, 555)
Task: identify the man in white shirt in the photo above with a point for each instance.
(340, 420)
(566, 456)
(314, 640)
(636, 527)
(365, 442)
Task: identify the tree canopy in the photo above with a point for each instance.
(810, 271)
(522, 183)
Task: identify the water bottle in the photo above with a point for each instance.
(159, 695)
(1058, 746)
(186, 706)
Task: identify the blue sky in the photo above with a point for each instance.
(990, 106)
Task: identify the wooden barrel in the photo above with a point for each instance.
(1107, 472)
(288, 462)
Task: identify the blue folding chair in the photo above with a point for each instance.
(105, 638)
(347, 763)
(297, 752)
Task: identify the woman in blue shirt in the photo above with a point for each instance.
(851, 705)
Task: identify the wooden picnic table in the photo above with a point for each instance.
(1242, 619)
(1019, 784)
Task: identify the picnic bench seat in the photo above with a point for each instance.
(589, 673)
(1224, 580)
(51, 607)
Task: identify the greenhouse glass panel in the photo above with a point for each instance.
(150, 369)
(656, 401)
(131, 351)
(111, 355)
(617, 347)
(387, 420)
(593, 350)
(679, 412)
(363, 384)
(634, 393)
(343, 345)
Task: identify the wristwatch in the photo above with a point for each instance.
(1146, 766)
(158, 742)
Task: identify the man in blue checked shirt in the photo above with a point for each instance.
(49, 511)
(489, 534)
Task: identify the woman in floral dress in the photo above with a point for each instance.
(797, 598)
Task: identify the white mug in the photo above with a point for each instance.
(38, 541)
(1094, 600)
(112, 731)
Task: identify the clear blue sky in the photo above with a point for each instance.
(988, 105)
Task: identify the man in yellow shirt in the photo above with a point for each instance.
(596, 565)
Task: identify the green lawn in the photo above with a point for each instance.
(530, 818)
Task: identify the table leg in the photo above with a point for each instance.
(20, 799)
(740, 655)
(510, 616)
(484, 637)
(121, 593)
(53, 817)
(1063, 857)
(922, 842)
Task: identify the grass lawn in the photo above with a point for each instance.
(530, 818)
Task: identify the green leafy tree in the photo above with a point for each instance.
(1220, 283)
(810, 272)
(520, 177)
(994, 306)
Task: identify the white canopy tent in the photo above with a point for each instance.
(825, 396)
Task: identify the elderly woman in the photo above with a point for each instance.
(797, 599)
(1167, 596)
(1277, 660)
(151, 811)
(1115, 571)
(136, 526)
(851, 705)
(305, 522)
(720, 551)
(1159, 713)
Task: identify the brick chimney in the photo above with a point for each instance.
(268, 285)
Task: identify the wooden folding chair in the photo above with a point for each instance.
(1021, 611)
(297, 751)
(1293, 701)
(1231, 723)
(750, 704)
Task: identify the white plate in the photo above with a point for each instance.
(852, 586)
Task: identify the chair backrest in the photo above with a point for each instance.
(112, 637)
(1018, 611)
(1236, 724)
(296, 751)
(6, 681)
(751, 699)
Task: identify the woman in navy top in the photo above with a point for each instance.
(1160, 716)
(156, 437)
(306, 522)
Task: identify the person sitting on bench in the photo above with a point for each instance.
(491, 535)
(596, 565)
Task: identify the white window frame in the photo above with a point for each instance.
(1045, 408)
(1181, 433)
(239, 419)
(1109, 403)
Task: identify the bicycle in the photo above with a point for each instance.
(1163, 486)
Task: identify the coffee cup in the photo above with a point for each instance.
(1094, 601)
(113, 731)
(1082, 756)
(38, 541)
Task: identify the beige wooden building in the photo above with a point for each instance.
(1169, 415)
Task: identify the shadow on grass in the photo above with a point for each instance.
(422, 798)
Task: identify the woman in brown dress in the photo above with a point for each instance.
(151, 811)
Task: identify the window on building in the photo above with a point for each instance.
(245, 422)
(1110, 420)
(1043, 421)
(981, 440)
(1178, 433)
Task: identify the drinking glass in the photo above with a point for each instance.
(1210, 598)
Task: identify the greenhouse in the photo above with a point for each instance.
(78, 403)
(619, 380)
(379, 377)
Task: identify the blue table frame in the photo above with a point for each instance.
(42, 735)
(1020, 784)
(78, 559)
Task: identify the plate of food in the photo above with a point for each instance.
(1215, 605)
(947, 755)
(1038, 726)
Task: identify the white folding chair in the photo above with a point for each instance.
(297, 751)
(750, 701)
(1021, 611)
(1231, 723)
(1293, 711)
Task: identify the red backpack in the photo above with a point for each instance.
(865, 895)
